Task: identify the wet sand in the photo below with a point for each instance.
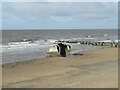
(87, 69)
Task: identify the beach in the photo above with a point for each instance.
(59, 45)
(87, 69)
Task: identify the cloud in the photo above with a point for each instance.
(60, 0)
(0, 10)
(47, 15)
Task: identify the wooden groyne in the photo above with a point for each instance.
(94, 43)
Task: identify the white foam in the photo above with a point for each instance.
(89, 38)
(105, 35)
(52, 40)
(22, 45)
(117, 41)
(0, 48)
(106, 41)
(110, 41)
(86, 38)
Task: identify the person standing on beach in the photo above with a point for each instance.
(62, 49)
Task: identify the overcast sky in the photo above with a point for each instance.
(60, 15)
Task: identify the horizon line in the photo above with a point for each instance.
(61, 29)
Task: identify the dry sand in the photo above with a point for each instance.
(87, 69)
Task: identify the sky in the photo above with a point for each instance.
(59, 15)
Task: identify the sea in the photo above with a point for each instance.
(21, 45)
